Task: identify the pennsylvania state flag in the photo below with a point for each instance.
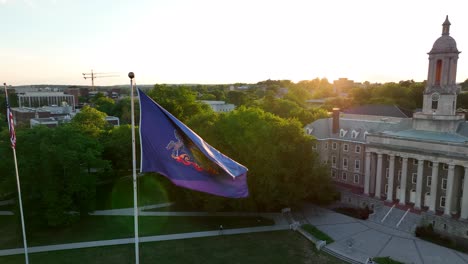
(172, 149)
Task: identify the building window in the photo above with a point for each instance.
(326, 145)
(333, 173)
(334, 161)
(429, 181)
(386, 172)
(415, 162)
(435, 104)
(414, 177)
(438, 72)
(399, 175)
(429, 164)
(358, 149)
(344, 176)
(354, 134)
(445, 166)
(334, 145)
(345, 147)
(445, 226)
(442, 201)
(386, 188)
(357, 165)
(345, 163)
(356, 178)
(444, 184)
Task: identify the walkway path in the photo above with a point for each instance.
(280, 224)
(123, 241)
(370, 239)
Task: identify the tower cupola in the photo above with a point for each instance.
(441, 90)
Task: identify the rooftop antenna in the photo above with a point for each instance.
(93, 75)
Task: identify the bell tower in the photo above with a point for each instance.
(440, 94)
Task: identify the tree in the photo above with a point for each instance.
(283, 169)
(118, 147)
(105, 104)
(178, 100)
(237, 98)
(91, 121)
(122, 110)
(464, 85)
(57, 172)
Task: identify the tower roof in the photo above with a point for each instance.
(445, 43)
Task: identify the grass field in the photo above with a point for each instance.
(112, 227)
(269, 247)
(119, 194)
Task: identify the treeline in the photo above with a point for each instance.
(60, 168)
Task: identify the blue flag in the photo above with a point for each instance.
(172, 149)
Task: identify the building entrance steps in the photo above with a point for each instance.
(394, 217)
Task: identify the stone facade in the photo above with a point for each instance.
(419, 163)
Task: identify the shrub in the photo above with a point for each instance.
(317, 233)
(359, 213)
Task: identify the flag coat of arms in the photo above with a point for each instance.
(172, 149)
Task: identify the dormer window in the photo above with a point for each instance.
(343, 132)
(365, 134)
(354, 134)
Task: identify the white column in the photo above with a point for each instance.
(449, 192)
(464, 206)
(434, 186)
(419, 182)
(391, 174)
(367, 174)
(378, 182)
(404, 172)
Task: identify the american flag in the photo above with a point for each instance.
(11, 124)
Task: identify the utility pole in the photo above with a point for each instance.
(93, 75)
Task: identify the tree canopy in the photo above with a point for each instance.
(283, 168)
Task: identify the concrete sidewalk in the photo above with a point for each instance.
(360, 239)
(280, 224)
(123, 241)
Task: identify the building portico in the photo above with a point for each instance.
(423, 189)
(420, 162)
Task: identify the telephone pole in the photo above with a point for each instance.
(93, 75)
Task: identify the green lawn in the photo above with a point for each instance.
(317, 233)
(269, 247)
(111, 227)
(119, 194)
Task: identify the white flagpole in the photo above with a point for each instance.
(19, 190)
(131, 75)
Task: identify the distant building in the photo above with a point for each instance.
(219, 106)
(38, 99)
(418, 163)
(113, 120)
(342, 85)
(315, 102)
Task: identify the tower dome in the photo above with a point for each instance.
(445, 43)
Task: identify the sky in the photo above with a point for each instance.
(223, 41)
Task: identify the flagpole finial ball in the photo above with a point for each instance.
(131, 75)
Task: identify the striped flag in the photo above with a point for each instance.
(11, 125)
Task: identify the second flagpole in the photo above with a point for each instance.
(13, 147)
(131, 75)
